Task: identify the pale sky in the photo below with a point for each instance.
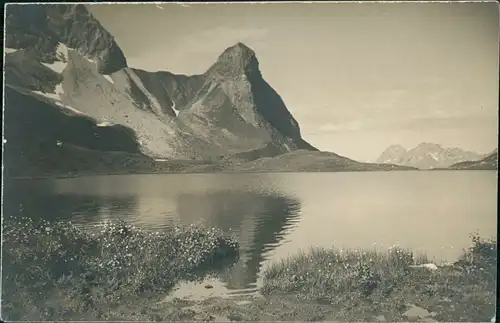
(358, 77)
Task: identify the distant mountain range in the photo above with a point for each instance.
(427, 156)
(74, 106)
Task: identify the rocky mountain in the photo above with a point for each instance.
(427, 156)
(393, 154)
(490, 162)
(74, 106)
(63, 67)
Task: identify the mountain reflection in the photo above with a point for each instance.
(258, 220)
(41, 200)
(257, 216)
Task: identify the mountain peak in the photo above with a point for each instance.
(392, 154)
(237, 59)
(428, 145)
(239, 50)
(396, 147)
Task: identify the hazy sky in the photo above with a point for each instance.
(357, 76)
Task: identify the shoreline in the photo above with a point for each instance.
(287, 295)
(65, 176)
(300, 306)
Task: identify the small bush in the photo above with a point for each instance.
(44, 262)
(322, 273)
(482, 252)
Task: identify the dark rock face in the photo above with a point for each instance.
(39, 28)
(45, 123)
(238, 65)
(30, 74)
(39, 134)
(169, 88)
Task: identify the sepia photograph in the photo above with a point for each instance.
(250, 161)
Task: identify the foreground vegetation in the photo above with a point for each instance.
(392, 286)
(56, 271)
(60, 272)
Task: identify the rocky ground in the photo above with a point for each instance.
(265, 308)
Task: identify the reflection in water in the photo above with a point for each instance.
(40, 200)
(257, 217)
(258, 221)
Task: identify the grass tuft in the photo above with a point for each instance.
(365, 284)
(320, 272)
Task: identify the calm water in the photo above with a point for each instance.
(275, 215)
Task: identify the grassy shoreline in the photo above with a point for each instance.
(392, 286)
(59, 272)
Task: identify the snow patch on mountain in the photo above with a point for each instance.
(104, 124)
(10, 50)
(173, 108)
(434, 156)
(60, 64)
(54, 96)
(229, 134)
(109, 79)
(67, 107)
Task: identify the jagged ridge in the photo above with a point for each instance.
(426, 156)
(38, 29)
